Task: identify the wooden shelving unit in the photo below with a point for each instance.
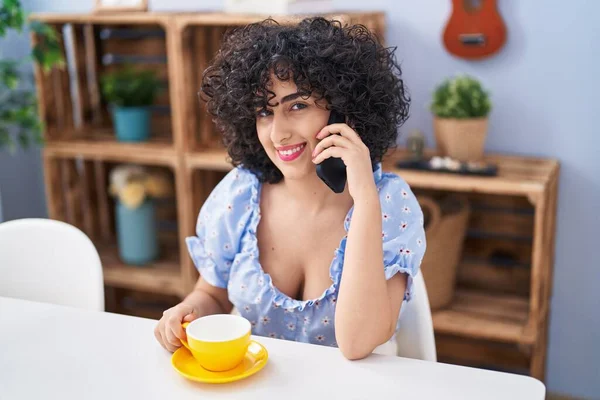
(499, 315)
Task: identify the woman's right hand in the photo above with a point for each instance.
(169, 331)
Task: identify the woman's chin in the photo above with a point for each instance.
(297, 172)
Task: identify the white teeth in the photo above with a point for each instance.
(291, 151)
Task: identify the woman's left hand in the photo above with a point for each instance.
(350, 148)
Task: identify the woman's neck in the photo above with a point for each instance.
(313, 194)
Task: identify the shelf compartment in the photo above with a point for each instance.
(162, 276)
(70, 98)
(486, 316)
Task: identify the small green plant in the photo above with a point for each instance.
(19, 119)
(461, 97)
(129, 87)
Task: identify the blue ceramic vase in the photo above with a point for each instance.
(137, 233)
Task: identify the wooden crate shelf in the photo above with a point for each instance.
(518, 176)
(482, 315)
(71, 102)
(505, 276)
(108, 149)
(213, 160)
(162, 276)
(499, 314)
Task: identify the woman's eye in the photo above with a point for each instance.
(298, 106)
(263, 113)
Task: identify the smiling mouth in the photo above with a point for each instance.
(291, 153)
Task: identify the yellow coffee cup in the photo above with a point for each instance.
(218, 342)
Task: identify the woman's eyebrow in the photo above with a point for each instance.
(292, 96)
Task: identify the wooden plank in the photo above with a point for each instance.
(106, 231)
(501, 203)
(498, 250)
(110, 150)
(161, 276)
(494, 278)
(65, 181)
(538, 360)
(484, 316)
(161, 127)
(198, 193)
(102, 18)
(480, 354)
(538, 270)
(90, 201)
(501, 223)
(538, 357)
(45, 96)
(166, 211)
(62, 88)
(84, 105)
(188, 214)
(441, 181)
(91, 59)
(231, 19)
(508, 182)
(210, 137)
(146, 305)
(72, 187)
(176, 87)
(54, 194)
(204, 50)
(209, 159)
(147, 46)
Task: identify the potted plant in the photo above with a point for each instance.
(135, 189)
(130, 93)
(461, 107)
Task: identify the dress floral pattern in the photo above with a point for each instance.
(225, 252)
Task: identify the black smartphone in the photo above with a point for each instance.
(332, 171)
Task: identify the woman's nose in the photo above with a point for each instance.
(280, 130)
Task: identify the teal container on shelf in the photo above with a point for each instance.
(137, 233)
(132, 124)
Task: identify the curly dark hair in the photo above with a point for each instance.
(345, 65)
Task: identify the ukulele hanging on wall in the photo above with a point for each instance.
(475, 29)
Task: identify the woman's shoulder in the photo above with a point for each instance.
(238, 185)
(390, 184)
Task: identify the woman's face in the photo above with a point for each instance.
(287, 130)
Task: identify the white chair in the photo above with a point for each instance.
(415, 337)
(50, 261)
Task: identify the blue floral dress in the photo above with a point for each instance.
(225, 252)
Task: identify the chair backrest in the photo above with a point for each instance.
(415, 337)
(50, 261)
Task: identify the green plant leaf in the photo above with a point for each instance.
(129, 87)
(6, 141)
(24, 140)
(460, 97)
(11, 16)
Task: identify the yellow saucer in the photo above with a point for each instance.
(186, 365)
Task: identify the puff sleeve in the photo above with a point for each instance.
(220, 225)
(403, 233)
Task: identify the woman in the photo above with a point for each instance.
(298, 260)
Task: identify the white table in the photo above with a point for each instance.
(49, 351)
